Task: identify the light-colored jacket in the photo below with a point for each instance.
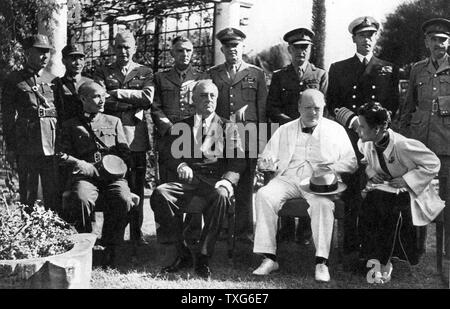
(417, 165)
(335, 146)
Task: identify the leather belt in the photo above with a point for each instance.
(47, 112)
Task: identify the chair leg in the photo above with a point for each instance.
(231, 239)
(340, 239)
(439, 244)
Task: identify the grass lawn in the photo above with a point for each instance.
(296, 269)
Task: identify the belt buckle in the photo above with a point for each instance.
(97, 156)
(434, 106)
(41, 112)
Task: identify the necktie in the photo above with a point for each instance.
(365, 61)
(435, 64)
(308, 130)
(124, 71)
(232, 72)
(300, 73)
(183, 76)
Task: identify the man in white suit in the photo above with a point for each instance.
(299, 148)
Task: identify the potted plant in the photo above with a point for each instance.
(40, 250)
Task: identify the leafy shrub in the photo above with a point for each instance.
(39, 233)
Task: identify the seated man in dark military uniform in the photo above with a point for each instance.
(84, 142)
(205, 169)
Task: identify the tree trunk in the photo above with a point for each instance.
(318, 26)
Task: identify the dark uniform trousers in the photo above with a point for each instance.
(169, 201)
(136, 181)
(115, 199)
(30, 170)
(351, 84)
(29, 128)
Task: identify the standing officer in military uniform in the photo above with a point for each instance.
(289, 82)
(242, 99)
(353, 82)
(426, 114)
(69, 104)
(85, 141)
(282, 102)
(29, 122)
(130, 86)
(173, 95)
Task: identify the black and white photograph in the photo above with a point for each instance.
(225, 151)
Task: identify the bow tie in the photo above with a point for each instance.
(308, 130)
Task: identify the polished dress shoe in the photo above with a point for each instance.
(109, 257)
(202, 270)
(180, 263)
(267, 266)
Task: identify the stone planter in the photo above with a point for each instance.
(69, 270)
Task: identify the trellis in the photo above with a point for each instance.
(154, 24)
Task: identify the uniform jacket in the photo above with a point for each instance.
(243, 98)
(350, 85)
(25, 132)
(335, 146)
(209, 163)
(76, 140)
(420, 117)
(136, 89)
(173, 98)
(68, 103)
(417, 165)
(286, 88)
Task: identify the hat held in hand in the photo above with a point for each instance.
(323, 181)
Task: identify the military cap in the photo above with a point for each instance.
(124, 36)
(231, 35)
(364, 23)
(299, 36)
(437, 27)
(72, 49)
(38, 41)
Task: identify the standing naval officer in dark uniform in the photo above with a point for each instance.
(130, 86)
(29, 123)
(285, 90)
(353, 82)
(242, 99)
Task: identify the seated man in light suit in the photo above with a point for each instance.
(299, 148)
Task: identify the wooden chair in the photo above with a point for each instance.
(196, 205)
(298, 208)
